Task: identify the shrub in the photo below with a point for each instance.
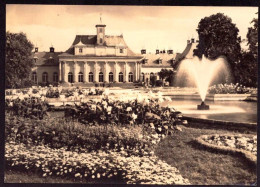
(159, 83)
(78, 137)
(32, 107)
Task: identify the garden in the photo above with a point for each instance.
(102, 140)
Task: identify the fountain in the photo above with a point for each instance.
(202, 72)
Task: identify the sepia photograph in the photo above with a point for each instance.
(116, 94)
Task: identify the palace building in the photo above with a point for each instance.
(99, 58)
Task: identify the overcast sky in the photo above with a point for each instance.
(142, 26)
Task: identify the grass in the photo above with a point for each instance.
(204, 167)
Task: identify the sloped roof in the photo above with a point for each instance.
(188, 51)
(152, 60)
(91, 40)
(44, 58)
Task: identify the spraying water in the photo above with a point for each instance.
(201, 73)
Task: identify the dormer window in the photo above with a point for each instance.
(159, 61)
(145, 61)
(121, 50)
(80, 50)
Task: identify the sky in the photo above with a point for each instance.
(148, 27)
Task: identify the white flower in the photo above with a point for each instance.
(128, 109)
(134, 116)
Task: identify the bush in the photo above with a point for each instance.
(159, 83)
(78, 137)
(32, 107)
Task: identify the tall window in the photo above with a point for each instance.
(121, 50)
(101, 77)
(130, 77)
(111, 77)
(80, 77)
(70, 77)
(45, 77)
(100, 29)
(100, 40)
(90, 77)
(142, 77)
(80, 50)
(121, 77)
(151, 75)
(55, 77)
(34, 77)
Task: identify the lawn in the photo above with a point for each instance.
(202, 166)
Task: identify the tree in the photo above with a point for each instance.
(18, 60)
(252, 37)
(166, 74)
(218, 36)
(246, 69)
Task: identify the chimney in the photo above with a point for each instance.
(36, 49)
(188, 41)
(143, 51)
(51, 49)
(157, 51)
(192, 40)
(170, 51)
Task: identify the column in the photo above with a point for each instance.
(64, 71)
(95, 71)
(136, 74)
(116, 74)
(84, 72)
(74, 72)
(140, 70)
(105, 72)
(59, 70)
(125, 76)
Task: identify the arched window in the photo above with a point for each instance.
(45, 77)
(142, 77)
(55, 77)
(90, 77)
(151, 75)
(101, 77)
(120, 77)
(34, 77)
(70, 77)
(80, 77)
(111, 77)
(131, 77)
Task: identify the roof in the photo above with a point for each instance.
(91, 40)
(152, 60)
(44, 58)
(188, 51)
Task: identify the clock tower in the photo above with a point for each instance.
(100, 34)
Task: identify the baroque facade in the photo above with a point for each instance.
(99, 58)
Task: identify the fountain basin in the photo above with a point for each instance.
(203, 106)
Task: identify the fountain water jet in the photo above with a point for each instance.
(201, 72)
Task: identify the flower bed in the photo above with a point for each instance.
(32, 107)
(245, 145)
(230, 89)
(162, 119)
(47, 161)
(135, 140)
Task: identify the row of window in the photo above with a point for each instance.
(81, 49)
(90, 77)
